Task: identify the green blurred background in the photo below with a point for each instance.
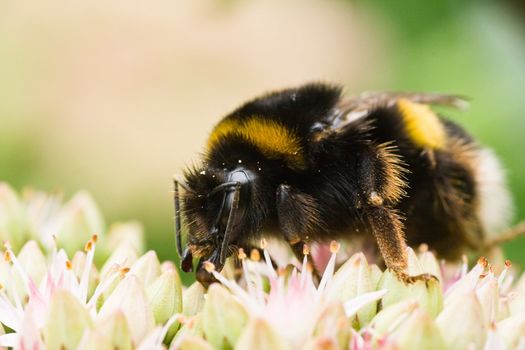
(116, 96)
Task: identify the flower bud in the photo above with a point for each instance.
(322, 343)
(426, 293)
(95, 340)
(512, 331)
(146, 268)
(516, 301)
(111, 332)
(130, 297)
(191, 343)
(122, 258)
(418, 332)
(191, 327)
(354, 278)
(130, 232)
(41, 214)
(33, 261)
(333, 325)
(223, 317)
(390, 317)
(259, 335)
(429, 264)
(193, 299)
(13, 225)
(165, 296)
(124, 255)
(165, 299)
(66, 322)
(425, 262)
(34, 264)
(375, 274)
(79, 219)
(461, 322)
(167, 265)
(414, 266)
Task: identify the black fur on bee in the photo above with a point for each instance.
(306, 164)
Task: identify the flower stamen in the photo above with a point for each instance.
(208, 266)
(84, 280)
(123, 271)
(330, 267)
(482, 261)
(242, 254)
(255, 255)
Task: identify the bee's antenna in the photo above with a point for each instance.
(178, 228)
(180, 181)
(231, 216)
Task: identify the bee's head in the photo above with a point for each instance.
(215, 206)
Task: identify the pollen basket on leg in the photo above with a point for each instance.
(273, 139)
(422, 125)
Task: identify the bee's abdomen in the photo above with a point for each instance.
(444, 202)
(495, 203)
(422, 126)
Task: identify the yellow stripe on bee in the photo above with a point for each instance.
(422, 125)
(272, 139)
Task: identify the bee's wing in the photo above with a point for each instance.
(355, 107)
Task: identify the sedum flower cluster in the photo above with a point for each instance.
(54, 294)
(45, 218)
(358, 306)
(69, 304)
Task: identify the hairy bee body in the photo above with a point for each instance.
(306, 164)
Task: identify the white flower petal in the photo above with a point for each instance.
(494, 341)
(353, 305)
(130, 297)
(146, 268)
(9, 340)
(9, 315)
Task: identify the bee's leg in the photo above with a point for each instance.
(299, 218)
(380, 178)
(387, 229)
(298, 214)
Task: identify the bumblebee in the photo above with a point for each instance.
(307, 164)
